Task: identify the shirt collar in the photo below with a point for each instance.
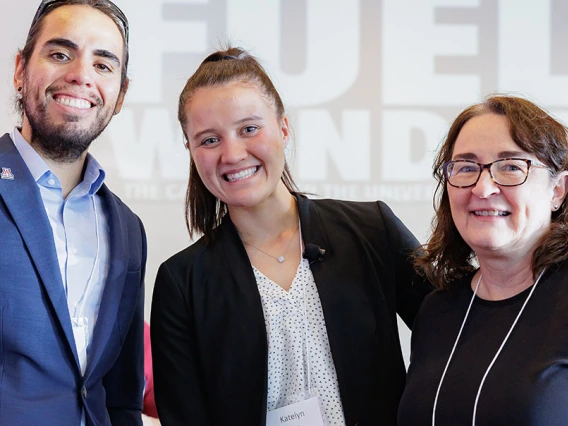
(35, 163)
(93, 175)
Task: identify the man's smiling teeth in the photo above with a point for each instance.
(243, 174)
(490, 213)
(73, 102)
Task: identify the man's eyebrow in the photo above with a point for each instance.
(64, 42)
(107, 54)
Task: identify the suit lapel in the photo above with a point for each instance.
(23, 200)
(241, 270)
(253, 350)
(326, 276)
(312, 228)
(114, 282)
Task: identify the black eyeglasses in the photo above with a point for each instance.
(47, 5)
(504, 172)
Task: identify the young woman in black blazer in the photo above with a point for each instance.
(283, 300)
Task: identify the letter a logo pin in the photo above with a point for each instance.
(7, 173)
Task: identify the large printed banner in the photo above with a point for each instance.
(370, 86)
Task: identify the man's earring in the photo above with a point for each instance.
(19, 95)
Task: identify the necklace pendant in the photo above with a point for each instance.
(280, 259)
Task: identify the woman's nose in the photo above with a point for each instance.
(485, 185)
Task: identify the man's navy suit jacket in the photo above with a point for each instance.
(40, 376)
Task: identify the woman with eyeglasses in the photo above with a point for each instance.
(490, 346)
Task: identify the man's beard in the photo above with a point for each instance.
(66, 142)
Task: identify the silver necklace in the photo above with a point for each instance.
(279, 259)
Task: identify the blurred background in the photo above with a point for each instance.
(370, 87)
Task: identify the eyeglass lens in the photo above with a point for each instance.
(504, 172)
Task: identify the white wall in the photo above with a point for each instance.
(371, 87)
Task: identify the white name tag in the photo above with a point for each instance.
(304, 413)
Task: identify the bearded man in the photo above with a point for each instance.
(73, 255)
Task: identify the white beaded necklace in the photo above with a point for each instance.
(494, 358)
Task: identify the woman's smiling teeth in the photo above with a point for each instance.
(73, 102)
(243, 174)
(490, 213)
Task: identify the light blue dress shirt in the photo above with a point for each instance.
(81, 236)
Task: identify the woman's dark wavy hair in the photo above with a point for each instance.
(105, 6)
(447, 257)
(204, 211)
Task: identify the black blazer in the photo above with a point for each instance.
(209, 340)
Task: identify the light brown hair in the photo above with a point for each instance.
(204, 211)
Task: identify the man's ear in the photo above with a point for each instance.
(19, 72)
(121, 97)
